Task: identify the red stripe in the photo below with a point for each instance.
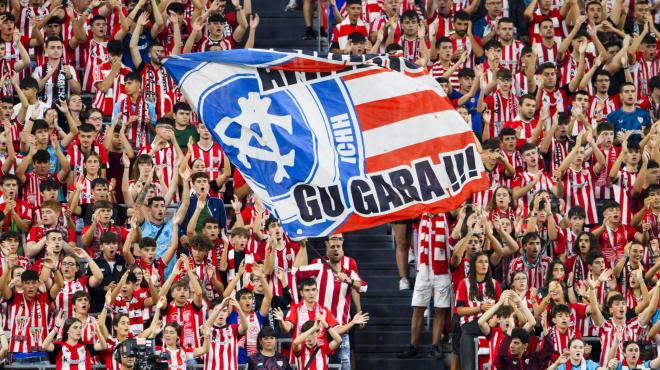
(385, 111)
(406, 155)
(302, 64)
(363, 73)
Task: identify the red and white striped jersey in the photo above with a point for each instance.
(535, 24)
(654, 219)
(164, 160)
(213, 158)
(463, 45)
(564, 245)
(283, 260)
(642, 72)
(524, 128)
(604, 186)
(158, 88)
(561, 339)
(89, 334)
(72, 357)
(25, 18)
(622, 187)
(437, 70)
(556, 100)
(106, 101)
(569, 67)
(520, 84)
(345, 29)
(546, 54)
(510, 58)
(458, 5)
(138, 132)
(224, 348)
(518, 164)
(503, 108)
(299, 314)
(207, 286)
(31, 191)
(371, 10)
(433, 244)
(497, 177)
(12, 54)
(29, 322)
(22, 261)
(304, 358)
(630, 331)
(332, 292)
(178, 357)
(494, 341)
(78, 55)
(440, 25)
(535, 272)
(95, 53)
(558, 151)
(86, 195)
(77, 157)
(631, 300)
(612, 242)
(190, 318)
(609, 106)
(412, 49)
(64, 299)
(579, 191)
(225, 43)
(381, 22)
(22, 208)
(134, 309)
(545, 183)
(463, 297)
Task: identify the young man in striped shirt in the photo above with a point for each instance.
(309, 354)
(532, 262)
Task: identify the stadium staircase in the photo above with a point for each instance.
(388, 331)
(279, 29)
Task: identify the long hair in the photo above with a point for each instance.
(489, 290)
(493, 206)
(115, 322)
(548, 274)
(593, 243)
(67, 325)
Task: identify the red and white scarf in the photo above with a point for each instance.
(138, 133)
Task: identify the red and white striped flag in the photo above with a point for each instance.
(334, 143)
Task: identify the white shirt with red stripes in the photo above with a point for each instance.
(622, 187)
(579, 191)
(535, 271)
(510, 58)
(224, 348)
(333, 293)
(546, 54)
(64, 299)
(95, 54)
(29, 322)
(463, 296)
(106, 101)
(304, 358)
(630, 331)
(642, 71)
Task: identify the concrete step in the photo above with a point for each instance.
(393, 363)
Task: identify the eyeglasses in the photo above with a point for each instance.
(337, 239)
(68, 264)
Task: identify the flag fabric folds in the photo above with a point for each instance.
(334, 143)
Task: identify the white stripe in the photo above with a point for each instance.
(412, 131)
(390, 84)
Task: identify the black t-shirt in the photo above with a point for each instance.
(259, 361)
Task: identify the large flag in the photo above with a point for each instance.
(337, 143)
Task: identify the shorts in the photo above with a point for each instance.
(438, 286)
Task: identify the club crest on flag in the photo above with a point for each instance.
(335, 143)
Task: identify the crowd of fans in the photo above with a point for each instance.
(113, 223)
(564, 99)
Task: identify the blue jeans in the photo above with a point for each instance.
(345, 352)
